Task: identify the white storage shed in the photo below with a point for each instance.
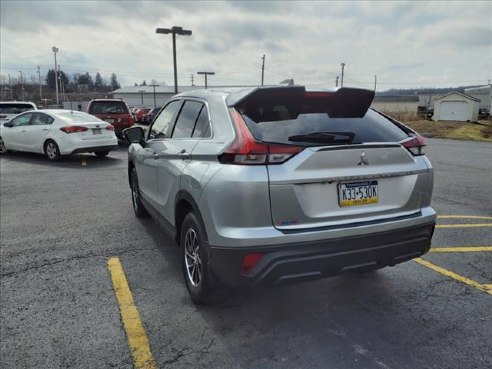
(456, 106)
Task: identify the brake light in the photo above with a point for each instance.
(73, 129)
(110, 127)
(245, 150)
(249, 262)
(415, 145)
(3, 116)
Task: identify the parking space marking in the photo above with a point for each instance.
(470, 225)
(135, 332)
(464, 217)
(462, 249)
(487, 288)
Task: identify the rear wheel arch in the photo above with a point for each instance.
(184, 205)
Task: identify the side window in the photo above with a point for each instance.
(22, 120)
(41, 119)
(202, 127)
(163, 123)
(187, 119)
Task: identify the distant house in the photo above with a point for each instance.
(456, 106)
(396, 104)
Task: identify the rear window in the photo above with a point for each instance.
(15, 108)
(108, 107)
(77, 117)
(307, 125)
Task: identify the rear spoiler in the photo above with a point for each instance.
(345, 102)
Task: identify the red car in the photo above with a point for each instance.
(114, 111)
(140, 114)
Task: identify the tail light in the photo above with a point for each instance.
(110, 127)
(415, 145)
(249, 262)
(245, 150)
(73, 129)
(3, 116)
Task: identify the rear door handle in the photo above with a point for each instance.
(184, 155)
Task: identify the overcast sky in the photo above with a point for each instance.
(405, 44)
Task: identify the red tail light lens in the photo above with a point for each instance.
(245, 150)
(110, 127)
(249, 262)
(73, 129)
(415, 145)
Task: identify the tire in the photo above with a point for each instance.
(101, 154)
(3, 149)
(138, 207)
(52, 151)
(202, 285)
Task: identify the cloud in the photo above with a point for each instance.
(305, 40)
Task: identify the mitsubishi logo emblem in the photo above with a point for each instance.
(363, 159)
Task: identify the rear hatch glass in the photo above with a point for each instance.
(108, 107)
(14, 108)
(353, 168)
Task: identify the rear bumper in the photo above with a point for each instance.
(292, 263)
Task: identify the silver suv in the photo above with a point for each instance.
(274, 185)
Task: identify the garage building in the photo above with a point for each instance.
(456, 106)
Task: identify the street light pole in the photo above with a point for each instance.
(206, 74)
(141, 95)
(55, 50)
(175, 31)
(40, 90)
(155, 104)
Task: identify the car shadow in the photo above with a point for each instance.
(69, 161)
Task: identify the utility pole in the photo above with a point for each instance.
(55, 50)
(192, 80)
(375, 82)
(22, 86)
(141, 95)
(40, 90)
(336, 81)
(155, 104)
(263, 69)
(206, 74)
(10, 87)
(343, 67)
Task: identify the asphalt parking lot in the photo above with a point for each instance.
(67, 227)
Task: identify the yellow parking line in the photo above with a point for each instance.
(461, 249)
(482, 287)
(463, 217)
(471, 225)
(135, 332)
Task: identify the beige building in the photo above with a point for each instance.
(396, 104)
(456, 106)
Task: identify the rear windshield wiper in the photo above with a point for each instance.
(324, 137)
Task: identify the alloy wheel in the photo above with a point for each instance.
(51, 150)
(2, 147)
(193, 260)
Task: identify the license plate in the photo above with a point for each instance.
(358, 193)
(109, 120)
(96, 131)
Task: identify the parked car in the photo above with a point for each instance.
(114, 111)
(149, 117)
(9, 109)
(275, 185)
(56, 133)
(140, 114)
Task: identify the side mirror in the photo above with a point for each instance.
(135, 135)
(8, 124)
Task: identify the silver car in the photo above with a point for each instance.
(275, 185)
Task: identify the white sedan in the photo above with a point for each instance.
(56, 133)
